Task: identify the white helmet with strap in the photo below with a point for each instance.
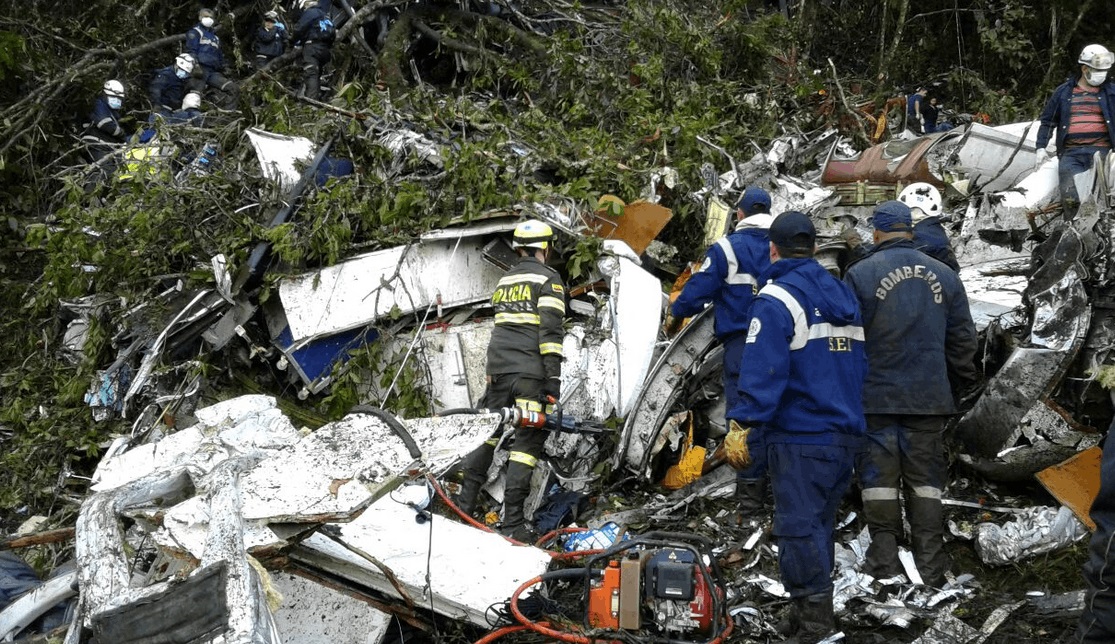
(1096, 57)
(114, 88)
(922, 196)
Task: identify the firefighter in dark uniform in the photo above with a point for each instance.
(802, 391)
(921, 345)
(524, 369)
(315, 32)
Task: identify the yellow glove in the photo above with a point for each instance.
(735, 446)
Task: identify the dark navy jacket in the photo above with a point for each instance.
(805, 359)
(269, 42)
(920, 334)
(1058, 109)
(166, 90)
(311, 27)
(729, 277)
(205, 45)
(930, 238)
(104, 122)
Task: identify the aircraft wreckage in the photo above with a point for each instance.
(243, 526)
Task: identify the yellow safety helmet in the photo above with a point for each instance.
(532, 234)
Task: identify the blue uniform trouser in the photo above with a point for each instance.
(809, 482)
(733, 355)
(1097, 623)
(1073, 161)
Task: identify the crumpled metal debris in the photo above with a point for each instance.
(1034, 531)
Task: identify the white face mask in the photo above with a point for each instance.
(181, 73)
(207, 22)
(1095, 77)
(115, 103)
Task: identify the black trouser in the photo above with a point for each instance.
(904, 453)
(507, 390)
(315, 55)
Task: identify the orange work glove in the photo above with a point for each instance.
(736, 452)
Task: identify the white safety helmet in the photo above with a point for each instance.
(1096, 57)
(921, 196)
(532, 234)
(191, 101)
(185, 62)
(114, 88)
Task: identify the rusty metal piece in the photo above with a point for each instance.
(1075, 483)
(880, 171)
(639, 224)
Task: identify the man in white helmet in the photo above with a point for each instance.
(203, 43)
(1081, 111)
(524, 370)
(103, 130)
(930, 237)
(168, 85)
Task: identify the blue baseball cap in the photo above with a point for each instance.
(793, 230)
(892, 217)
(754, 200)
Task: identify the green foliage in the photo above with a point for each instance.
(13, 50)
(583, 258)
(377, 375)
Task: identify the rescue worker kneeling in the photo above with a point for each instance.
(802, 396)
(524, 370)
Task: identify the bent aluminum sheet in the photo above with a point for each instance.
(312, 613)
(1061, 320)
(662, 390)
(995, 158)
(454, 568)
(401, 280)
(279, 155)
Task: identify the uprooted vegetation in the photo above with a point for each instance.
(548, 101)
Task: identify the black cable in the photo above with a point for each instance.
(395, 425)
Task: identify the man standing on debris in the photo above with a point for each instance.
(103, 132)
(914, 119)
(729, 279)
(1082, 110)
(203, 43)
(270, 39)
(920, 338)
(801, 391)
(315, 33)
(524, 369)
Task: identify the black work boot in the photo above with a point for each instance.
(475, 467)
(515, 491)
(881, 561)
(751, 497)
(815, 619)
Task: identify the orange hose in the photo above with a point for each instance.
(538, 627)
(554, 533)
(506, 630)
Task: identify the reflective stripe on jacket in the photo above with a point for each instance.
(805, 359)
(529, 304)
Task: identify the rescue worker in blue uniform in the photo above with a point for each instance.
(103, 132)
(921, 346)
(729, 279)
(524, 370)
(1081, 110)
(802, 391)
(315, 33)
(930, 237)
(203, 43)
(168, 86)
(1097, 622)
(270, 39)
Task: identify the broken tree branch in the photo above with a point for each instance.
(38, 539)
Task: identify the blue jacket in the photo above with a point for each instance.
(205, 45)
(1058, 109)
(104, 122)
(930, 238)
(314, 26)
(729, 277)
(920, 334)
(805, 363)
(166, 90)
(269, 42)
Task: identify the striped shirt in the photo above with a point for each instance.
(1086, 124)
